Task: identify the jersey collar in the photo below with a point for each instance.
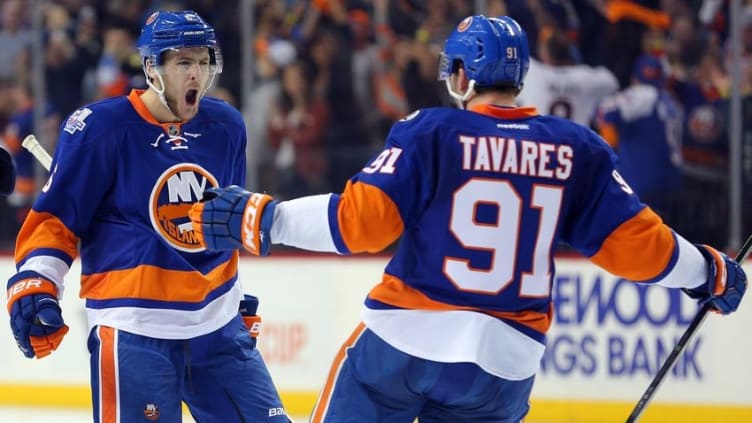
(501, 112)
(134, 97)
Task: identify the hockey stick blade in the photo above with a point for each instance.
(683, 341)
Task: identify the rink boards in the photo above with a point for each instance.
(608, 338)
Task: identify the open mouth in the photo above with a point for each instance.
(191, 97)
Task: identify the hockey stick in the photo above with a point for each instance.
(32, 144)
(693, 326)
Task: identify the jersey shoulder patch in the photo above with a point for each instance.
(77, 120)
(89, 122)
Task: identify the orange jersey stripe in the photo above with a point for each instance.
(360, 206)
(639, 249)
(43, 230)
(155, 283)
(323, 401)
(107, 375)
(394, 292)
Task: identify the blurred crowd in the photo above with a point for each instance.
(331, 76)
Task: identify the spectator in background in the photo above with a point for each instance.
(367, 64)
(130, 12)
(15, 39)
(419, 79)
(557, 85)
(344, 39)
(66, 62)
(119, 67)
(297, 127)
(329, 43)
(627, 21)
(87, 38)
(684, 46)
(7, 105)
(271, 58)
(643, 123)
(436, 24)
(20, 125)
(697, 81)
(389, 92)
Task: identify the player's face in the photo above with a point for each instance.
(186, 73)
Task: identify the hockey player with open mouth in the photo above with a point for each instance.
(167, 318)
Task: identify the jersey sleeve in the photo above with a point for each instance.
(376, 204)
(391, 189)
(611, 227)
(82, 171)
(600, 199)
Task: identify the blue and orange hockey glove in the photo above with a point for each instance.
(726, 282)
(35, 316)
(231, 218)
(248, 310)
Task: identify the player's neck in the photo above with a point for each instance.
(506, 100)
(158, 110)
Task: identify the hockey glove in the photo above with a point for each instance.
(231, 218)
(248, 310)
(726, 282)
(35, 316)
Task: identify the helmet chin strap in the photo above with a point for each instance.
(161, 91)
(461, 99)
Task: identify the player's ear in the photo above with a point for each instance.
(150, 70)
(461, 81)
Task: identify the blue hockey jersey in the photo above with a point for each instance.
(645, 125)
(119, 193)
(481, 198)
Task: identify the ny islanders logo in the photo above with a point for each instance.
(176, 190)
(465, 24)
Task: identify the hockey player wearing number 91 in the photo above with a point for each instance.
(168, 320)
(455, 330)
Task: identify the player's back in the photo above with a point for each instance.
(485, 197)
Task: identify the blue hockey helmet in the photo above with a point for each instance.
(174, 30)
(493, 51)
